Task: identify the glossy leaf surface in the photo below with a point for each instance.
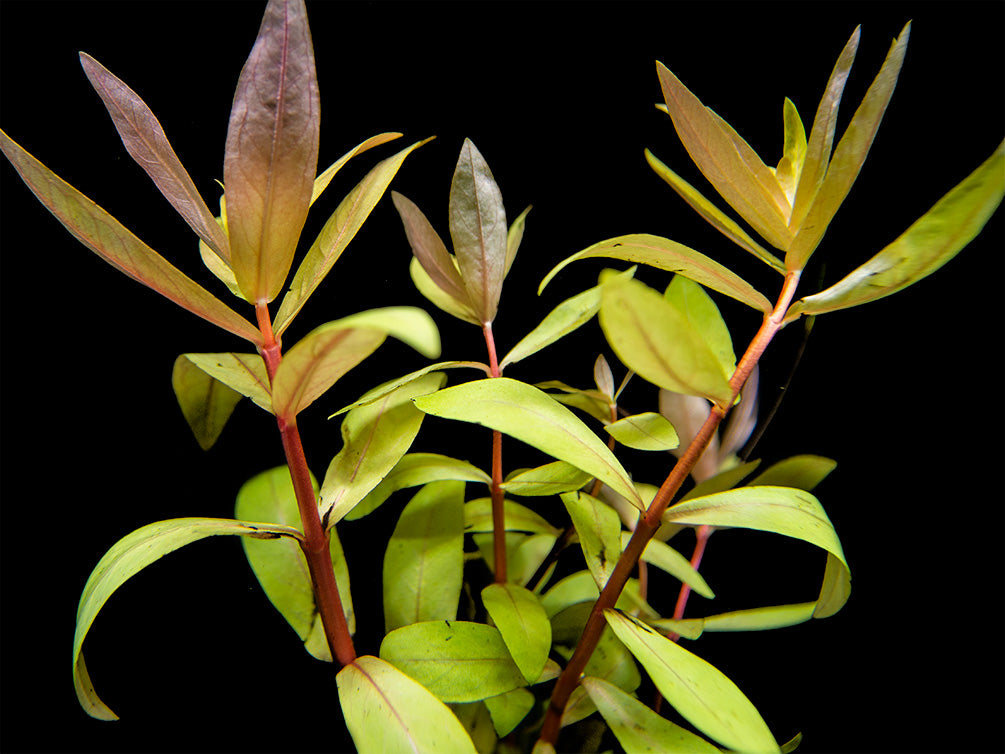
(642, 248)
(387, 711)
(110, 240)
(424, 560)
(647, 431)
(205, 402)
(804, 472)
(700, 311)
(530, 415)
(374, 438)
(653, 339)
(271, 155)
(146, 143)
(524, 626)
(929, 243)
(755, 619)
(129, 556)
(698, 691)
(550, 479)
(280, 566)
(599, 530)
(243, 372)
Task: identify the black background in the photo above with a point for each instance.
(905, 393)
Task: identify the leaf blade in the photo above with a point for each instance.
(524, 626)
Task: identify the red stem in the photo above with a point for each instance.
(650, 521)
(498, 504)
(315, 544)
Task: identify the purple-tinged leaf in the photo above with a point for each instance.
(106, 237)
(818, 148)
(146, 143)
(849, 156)
(429, 249)
(478, 230)
(272, 151)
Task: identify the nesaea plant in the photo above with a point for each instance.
(517, 607)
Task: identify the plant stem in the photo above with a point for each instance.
(650, 521)
(498, 504)
(315, 545)
(704, 532)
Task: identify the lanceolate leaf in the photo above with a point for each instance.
(424, 561)
(646, 431)
(793, 152)
(336, 234)
(374, 438)
(387, 711)
(325, 178)
(146, 143)
(272, 151)
(653, 339)
(513, 238)
(280, 566)
(381, 390)
(804, 472)
(610, 662)
(478, 230)
(700, 311)
(599, 530)
(528, 414)
(455, 307)
(929, 243)
(698, 691)
(205, 402)
(243, 372)
(326, 353)
(129, 556)
(550, 479)
(478, 518)
(429, 249)
(718, 219)
(849, 156)
(668, 559)
(524, 626)
(756, 619)
(106, 237)
(665, 254)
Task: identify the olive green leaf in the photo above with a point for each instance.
(599, 530)
(698, 308)
(106, 237)
(638, 729)
(653, 339)
(516, 517)
(804, 472)
(478, 230)
(457, 661)
(848, 157)
(325, 178)
(374, 438)
(550, 479)
(146, 142)
(386, 711)
(642, 248)
(205, 402)
(793, 153)
(316, 362)
(336, 234)
(514, 236)
(280, 566)
(507, 710)
(243, 372)
(524, 626)
(712, 214)
(702, 694)
(645, 431)
(530, 415)
(424, 561)
(414, 470)
(129, 556)
(756, 619)
(728, 162)
(934, 239)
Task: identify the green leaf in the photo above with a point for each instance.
(386, 711)
(219, 267)
(599, 530)
(530, 415)
(478, 518)
(513, 238)
(280, 566)
(457, 661)
(271, 155)
(725, 480)
(571, 590)
(205, 402)
(326, 353)
(374, 438)
(106, 237)
(524, 626)
(848, 157)
(698, 308)
(507, 710)
(336, 234)
(592, 402)
(381, 390)
(793, 153)
(428, 248)
(646, 431)
(729, 164)
(146, 142)
(804, 472)
(653, 339)
(929, 243)
(664, 557)
(243, 372)
(642, 248)
(424, 561)
(638, 729)
(756, 619)
(551, 479)
(414, 470)
(611, 662)
(712, 214)
(460, 308)
(129, 556)
(325, 178)
(702, 694)
(478, 231)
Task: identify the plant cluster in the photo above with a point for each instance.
(506, 625)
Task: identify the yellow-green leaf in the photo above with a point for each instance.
(645, 431)
(243, 372)
(524, 626)
(599, 530)
(325, 178)
(205, 402)
(793, 152)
